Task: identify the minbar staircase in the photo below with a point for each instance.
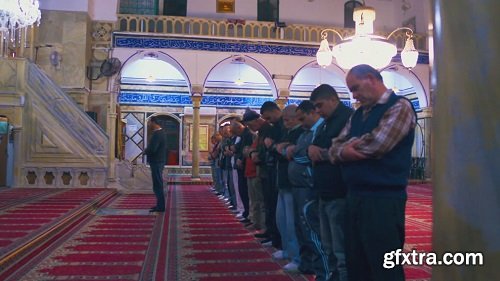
(56, 144)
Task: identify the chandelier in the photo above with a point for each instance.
(16, 15)
(365, 47)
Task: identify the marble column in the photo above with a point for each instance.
(426, 125)
(111, 130)
(466, 135)
(18, 176)
(196, 96)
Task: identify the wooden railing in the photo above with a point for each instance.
(242, 29)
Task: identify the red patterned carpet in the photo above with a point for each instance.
(119, 242)
(419, 228)
(196, 239)
(39, 211)
(213, 246)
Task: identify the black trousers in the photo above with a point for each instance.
(157, 177)
(270, 201)
(375, 226)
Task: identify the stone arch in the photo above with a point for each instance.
(311, 75)
(142, 54)
(252, 62)
(403, 73)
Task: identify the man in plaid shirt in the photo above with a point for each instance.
(374, 150)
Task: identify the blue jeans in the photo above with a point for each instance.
(157, 177)
(285, 219)
(217, 178)
(332, 217)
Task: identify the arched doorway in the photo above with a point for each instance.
(172, 129)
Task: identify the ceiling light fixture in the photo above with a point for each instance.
(238, 81)
(151, 78)
(365, 47)
(16, 15)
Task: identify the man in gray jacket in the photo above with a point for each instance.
(313, 258)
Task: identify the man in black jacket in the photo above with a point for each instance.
(328, 180)
(157, 158)
(285, 213)
(272, 114)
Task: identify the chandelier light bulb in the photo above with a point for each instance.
(409, 55)
(324, 54)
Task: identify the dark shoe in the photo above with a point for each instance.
(245, 220)
(248, 224)
(261, 235)
(267, 240)
(156, 210)
(305, 271)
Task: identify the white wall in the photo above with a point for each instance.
(103, 10)
(421, 10)
(66, 5)
(244, 9)
(97, 9)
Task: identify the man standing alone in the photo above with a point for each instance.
(157, 158)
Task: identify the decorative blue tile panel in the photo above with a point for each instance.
(298, 101)
(145, 98)
(233, 101)
(150, 42)
(416, 105)
(151, 98)
(140, 42)
(159, 99)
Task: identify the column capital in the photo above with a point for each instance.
(426, 112)
(196, 100)
(197, 90)
(282, 99)
(283, 93)
(281, 102)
